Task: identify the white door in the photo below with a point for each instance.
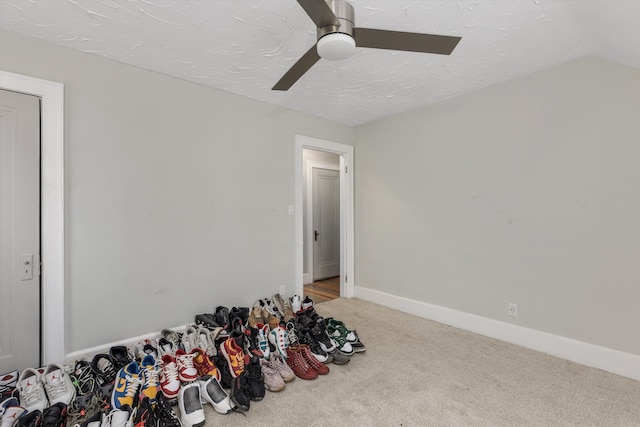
(19, 231)
(326, 223)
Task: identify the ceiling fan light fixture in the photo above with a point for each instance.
(336, 46)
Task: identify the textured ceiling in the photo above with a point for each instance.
(245, 46)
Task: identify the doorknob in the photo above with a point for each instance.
(315, 235)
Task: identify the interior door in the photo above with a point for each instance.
(19, 231)
(326, 223)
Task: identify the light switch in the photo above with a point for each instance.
(27, 267)
(292, 210)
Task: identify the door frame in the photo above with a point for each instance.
(347, 270)
(311, 164)
(52, 329)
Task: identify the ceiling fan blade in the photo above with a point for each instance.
(319, 12)
(298, 69)
(411, 42)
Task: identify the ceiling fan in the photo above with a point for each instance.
(338, 37)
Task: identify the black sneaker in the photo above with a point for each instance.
(256, 379)
(94, 420)
(164, 414)
(83, 378)
(240, 392)
(104, 368)
(207, 320)
(239, 312)
(251, 342)
(221, 317)
(223, 368)
(31, 419)
(306, 337)
(120, 356)
(145, 416)
(55, 415)
(320, 335)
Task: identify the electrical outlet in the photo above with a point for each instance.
(283, 290)
(513, 309)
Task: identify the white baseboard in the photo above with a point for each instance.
(89, 353)
(614, 361)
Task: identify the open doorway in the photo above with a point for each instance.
(321, 224)
(332, 272)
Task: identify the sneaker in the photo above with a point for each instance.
(256, 317)
(306, 337)
(325, 342)
(212, 392)
(149, 372)
(120, 356)
(190, 338)
(280, 340)
(31, 391)
(192, 413)
(11, 411)
(358, 347)
(145, 415)
(284, 307)
(55, 415)
(272, 379)
(299, 365)
(296, 303)
(278, 363)
(145, 348)
(31, 419)
(319, 367)
(58, 385)
(241, 313)
(351, 336)
(256, 379)
(240, 393)
(206, 341)
(172, 336)
(128, 382)
(234, 356)
(104, 368)
(166, 347)
(251, 342)
(344, 346)
(307, 302)
(263, 342)
(83, 378)
(122, 417)
(8, 383)
(164, 415)
(223, 368)
(186, 371)
(203, 364)
(206, 320)
(339, 358)
(221, 317)
(169, 377)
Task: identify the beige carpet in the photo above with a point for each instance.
(421, 373)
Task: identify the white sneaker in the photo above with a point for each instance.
(192, 413)
(10, 411)
(58, 385)
(296, 303)
(212, 392)
(190, 338)
(278, 336)
(169, 381)
(32, 395)
(119, 417)
(206, 341)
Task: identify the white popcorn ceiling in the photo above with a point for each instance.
(245, 46)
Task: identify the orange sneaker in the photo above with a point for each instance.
(203, 364)
(234, 355)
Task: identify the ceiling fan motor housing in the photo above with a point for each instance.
(344, 13)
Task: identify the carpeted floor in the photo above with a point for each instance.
(420, 373)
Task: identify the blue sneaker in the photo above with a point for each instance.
(128, 382)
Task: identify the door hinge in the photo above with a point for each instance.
(346, 169)
(346, 279)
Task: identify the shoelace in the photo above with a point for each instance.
(170, 371)
(185, 361)
(76, 415)
(83, 379)
(56, 389)
(32, 394)
(133, 384)
(293, 338)
(151, 376)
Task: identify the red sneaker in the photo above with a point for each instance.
(320, 367)
(234, 355)
(299, 365)
(203, 364)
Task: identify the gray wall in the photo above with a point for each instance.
(176, 194)
(317, 156)
(524, 192)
